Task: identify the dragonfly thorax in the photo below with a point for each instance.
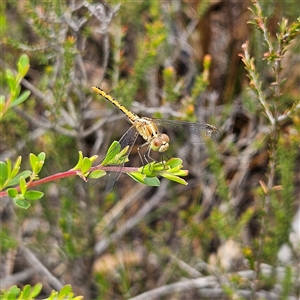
(150, 132)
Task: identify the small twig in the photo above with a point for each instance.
(31, 136)
(208, 285)
(45, 124)
(186, 267)
(161, 193)
(40, 268)
(23, 276)
(255, 82)
(116, 212)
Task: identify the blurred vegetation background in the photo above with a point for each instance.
(233, 231)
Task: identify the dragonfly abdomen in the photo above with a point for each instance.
(131, 116)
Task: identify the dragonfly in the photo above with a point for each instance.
(151, 130)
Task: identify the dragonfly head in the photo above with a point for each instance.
(160, 143)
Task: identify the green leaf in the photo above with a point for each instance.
(20, 99)
(22, 203)
(174, 178)
(79, 163)
(152, 181)
(97, 174)
(8, 163)
(16, 180)
(2, 99)
(10, 80)
(16, 168)
(180, 173)
(26, 291)
(65, 291)
(23, 64)
(36, 290)
(38, 168)
(17, 91)
(114, 155)
(23, 185)
(142, 178)
(33, 195)
(42, 157)
(3, 174)
(33, 161)
(150, 169)
(137, 176)
(13, 292)
(112, 151)
(2, 103)
(174, 162)
(12, 192)
(86, 165)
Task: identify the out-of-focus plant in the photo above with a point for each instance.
(14, 96)
(275, 196)
(28, 293)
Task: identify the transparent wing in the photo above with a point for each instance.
(128, 139)
(196, 132)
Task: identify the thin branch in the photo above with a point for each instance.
(112, 216)
(23, 276)
(45, 124)
(74, 173)
(209, 285)
(31, 136)
(104, 243)
(40, 268)
(255, 82)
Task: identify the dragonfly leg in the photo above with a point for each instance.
(147, 155)
(144, 157)
(163, 154)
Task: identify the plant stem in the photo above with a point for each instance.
(73, 173)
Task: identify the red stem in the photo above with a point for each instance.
(72, 173)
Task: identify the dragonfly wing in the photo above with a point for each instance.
(197, 132)
(128, 139)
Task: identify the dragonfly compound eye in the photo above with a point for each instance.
(160, 143)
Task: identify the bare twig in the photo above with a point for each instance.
(161, 193)
(23, 276)
(40, 268)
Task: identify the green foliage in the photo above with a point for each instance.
(9, 176)
(150, 45)
(114, 156)
(287, 283)
(282, 198)
(83, 168)
(13, 81)
(7, 241)
(170, 170)
(274, 202)
(202, 80)
(217, 169)
(170, 84)
(84, 163)
(29, 293)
